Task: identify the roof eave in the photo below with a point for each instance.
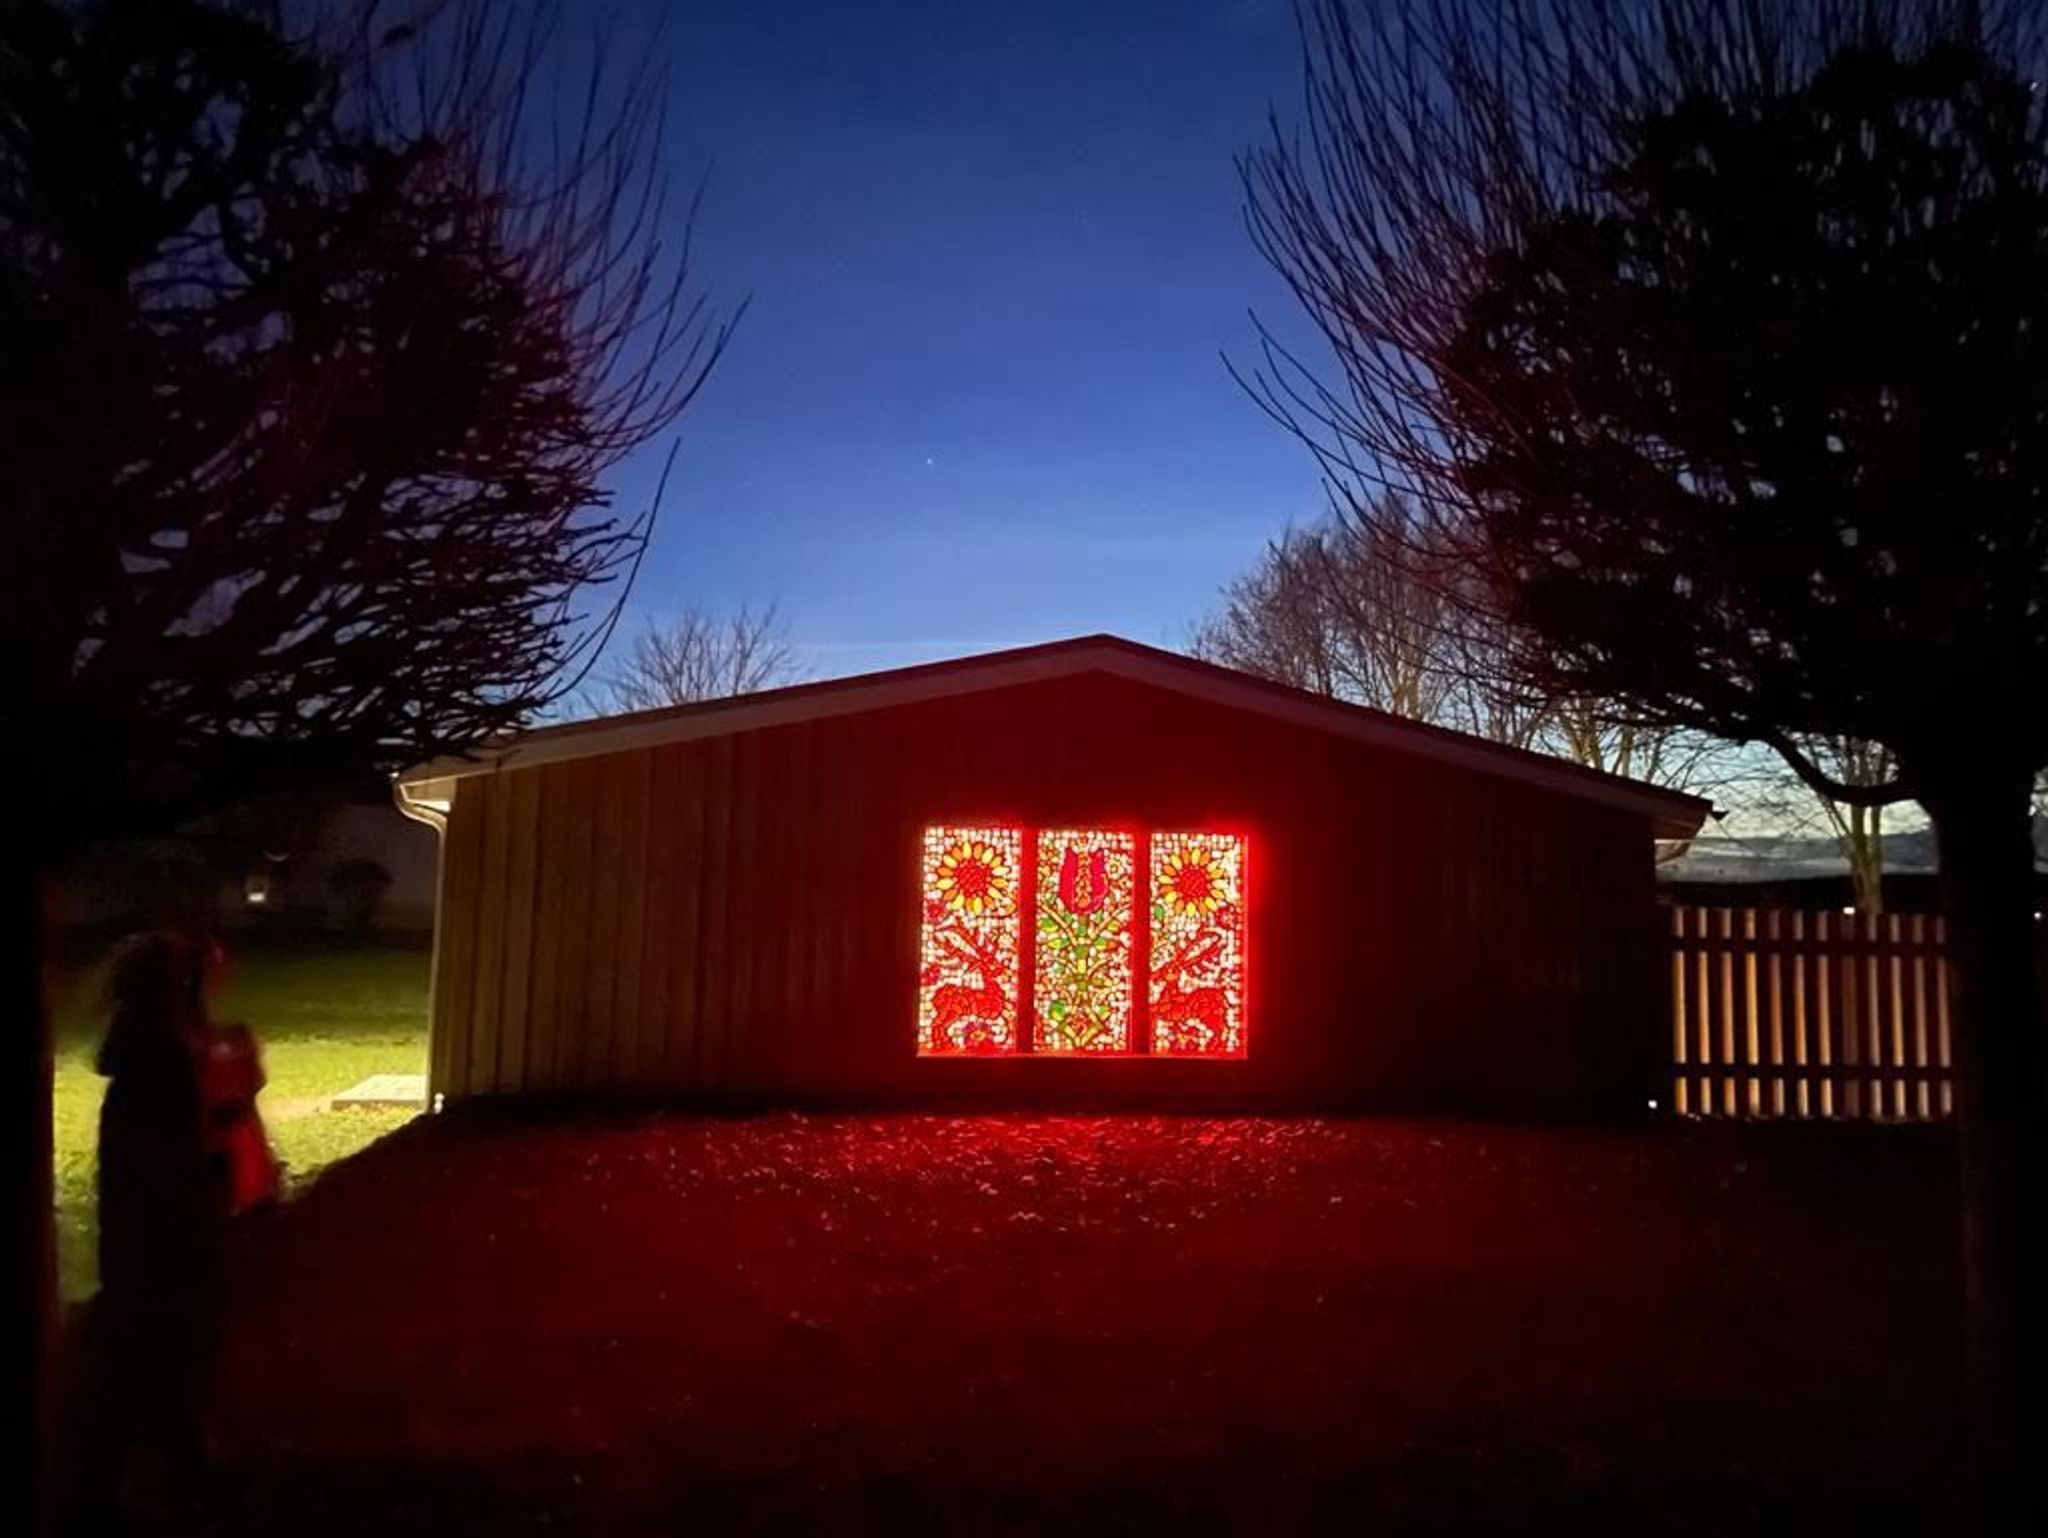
(1672, 814)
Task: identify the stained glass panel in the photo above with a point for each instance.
(968, 973)
(1196, 978)
(1081, 995)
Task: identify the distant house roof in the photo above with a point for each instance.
(1673, 814)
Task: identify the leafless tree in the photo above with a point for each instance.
(324, 328)
(1856, 827)
(702, 656)
(1712, 336)
(1584, 732)
(1349, 608)
(1324, 610)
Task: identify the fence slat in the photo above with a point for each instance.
(1752, 1052)
(1895, 992)
(1703, 1086)
(1727, 1013)
(1681, 1089)
(1779, 1014)
(1923, 1101)
(1824, 1017)
(1948, 1093)
(1808, 1103)
(1774, 983)
(1853, 1004)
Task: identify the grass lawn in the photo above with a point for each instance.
(807, 1323)
(329, 1015)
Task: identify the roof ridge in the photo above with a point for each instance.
(1054, 659)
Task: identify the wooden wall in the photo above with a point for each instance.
(736, 918)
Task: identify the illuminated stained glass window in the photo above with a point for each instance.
(1087, 900)
(1081, 982)
(1196, 984)
(967, 984)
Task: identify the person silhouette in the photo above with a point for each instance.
(167, 1189)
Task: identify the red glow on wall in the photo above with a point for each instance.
(1078, 899)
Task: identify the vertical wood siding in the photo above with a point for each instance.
(736, 917)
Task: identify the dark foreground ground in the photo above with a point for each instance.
(828, 1324)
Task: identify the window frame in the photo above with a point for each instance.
(1139, 1042)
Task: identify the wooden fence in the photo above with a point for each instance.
(1779, 1014)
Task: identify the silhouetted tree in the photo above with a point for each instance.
(1857, 827)
(1714, 336)
(1355, 608)
(697, 655)
(1324, 609)
(318, 349)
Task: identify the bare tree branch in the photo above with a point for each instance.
(339, 321)
(700, 656)
(1350, 608)
(1710, 337)
(1470, 180)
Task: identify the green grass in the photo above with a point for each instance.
(328, 1015)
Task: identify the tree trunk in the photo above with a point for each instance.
(1985, 835)
(30, 1137)
(1866, 857)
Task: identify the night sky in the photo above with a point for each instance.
(995, 253)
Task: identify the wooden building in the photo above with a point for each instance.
(1082, 873)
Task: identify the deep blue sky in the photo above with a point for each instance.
(994, 249)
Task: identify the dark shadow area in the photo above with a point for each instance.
(646, 1323)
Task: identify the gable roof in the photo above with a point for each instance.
(1673, 813)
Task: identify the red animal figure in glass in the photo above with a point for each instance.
(1178, 1009)
(956, 1003)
